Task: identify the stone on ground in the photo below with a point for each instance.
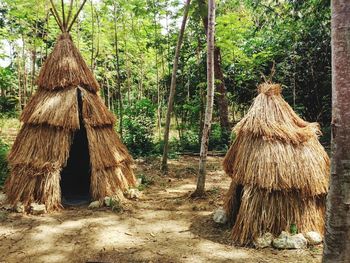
(19, 208)
(2, 198)
(94, 204)
(313, 238)
(37, 209)
(286, 241)
(219, 216)
(108, 201)
(133, 193)
(263, 241)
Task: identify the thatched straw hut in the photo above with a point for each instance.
(67, 144)
(279, 171)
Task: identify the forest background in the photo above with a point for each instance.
(130, 47)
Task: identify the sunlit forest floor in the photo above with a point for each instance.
(164, 225)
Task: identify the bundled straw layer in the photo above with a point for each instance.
(275, 165)
(262, 211)
(60, 108)
(271, 118)
(279, 171)
(65, 67)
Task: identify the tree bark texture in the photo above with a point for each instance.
(337, 234)
(200, 190)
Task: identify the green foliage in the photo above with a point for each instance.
(189, 141)
(8, 105)
(293, 229)
(4, 148)
(217, 140)
(138, 126)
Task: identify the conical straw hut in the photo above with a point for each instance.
(279, 171)
(67, 144)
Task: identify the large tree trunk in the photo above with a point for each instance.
(173, 87)
(200, 190)
(222, 101)
(337, 237)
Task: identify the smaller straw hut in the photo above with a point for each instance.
(279, 171)
(67, 146)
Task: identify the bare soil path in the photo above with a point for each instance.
(164, 225)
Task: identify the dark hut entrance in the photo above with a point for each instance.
(75, 177)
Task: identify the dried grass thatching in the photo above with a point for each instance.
(50, 120)
(59, 108)
(279, 170)
(262, 211)
(65, 67)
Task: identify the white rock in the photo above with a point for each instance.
(264, 241)
(138, 181)
(3, 198)
(37, 209)
(8, 207)
(313, 238)
(297, 241)
(108, 201)
(94, 204)
(133, 193)
(19, 208)
(219, 216)
(286, 241)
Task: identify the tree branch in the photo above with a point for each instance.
(76, 15)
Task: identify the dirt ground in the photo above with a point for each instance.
(164, 225)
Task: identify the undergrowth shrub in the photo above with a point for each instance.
(138, 127)
(4, 148)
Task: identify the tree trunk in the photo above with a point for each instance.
(116, 44)
(32, 83)
(337, 236)
(173, 87)
(200, 190)
(159, 114)
(221, 88)
(92, 36)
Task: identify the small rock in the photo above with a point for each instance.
(37, 209)
(313, 238)
(19, 208)
(138, 181)
(264, 241)
(108, 201)
(3, 198)
(219, 216)
(133, 193)
(8, 207)
(286, 241)
(94, 204)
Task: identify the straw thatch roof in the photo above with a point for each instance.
(50, 120)
(279, 170)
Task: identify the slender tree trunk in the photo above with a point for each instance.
(159, 120)
(92, 36)
(32, 82)
(222, 101)
(108, 94)
(19, 76)
(337, 236)
(141, 75)
(128, 71)
(24, 68)
(173, 87)
(116, 45)
(200, 190)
